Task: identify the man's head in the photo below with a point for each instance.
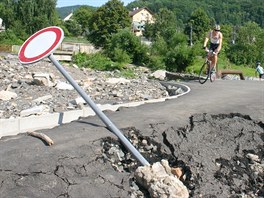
(257, 63)
(217, 28)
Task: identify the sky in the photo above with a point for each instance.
(95, 3)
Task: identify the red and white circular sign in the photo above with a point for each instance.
(40, 45)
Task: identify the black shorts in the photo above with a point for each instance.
(213, 46)
(261, 76)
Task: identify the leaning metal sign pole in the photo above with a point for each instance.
(41, 45)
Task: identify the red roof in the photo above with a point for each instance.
(137, 10)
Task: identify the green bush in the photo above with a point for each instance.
(95, 61)
(156, 63)
(126, 43)
(242, 54)
(159, 47)
(127, 73)
(8, 37)
(79, 58)
(179, 58)
(121, 56)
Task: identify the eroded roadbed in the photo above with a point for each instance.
(219, 155)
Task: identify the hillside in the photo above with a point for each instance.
(65, 11)
(236, 12)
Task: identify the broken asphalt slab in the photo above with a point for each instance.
(76, 166)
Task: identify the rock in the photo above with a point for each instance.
(177, 171)
(160, 182)
(37, 110)
(253, 157)
(7, 95)
(42, 79)
(78, 101)
(159, 74)
(42, 99)
(64, 86)
(117, 81)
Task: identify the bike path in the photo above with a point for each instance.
(220, 97)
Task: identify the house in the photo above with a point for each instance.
(68, 17)
(2, 27)
(140, 16)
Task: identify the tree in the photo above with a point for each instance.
(36, 15)
(106, 21)
(73, 27)
(249, 45)
(179, 55)
(7, 12)
(200, 24)
(128, 45)
(28, 16)
(165, 25)
(82, 15)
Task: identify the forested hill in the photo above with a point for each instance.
(235, 12)
(65, 11)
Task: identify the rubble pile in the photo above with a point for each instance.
(40, 88)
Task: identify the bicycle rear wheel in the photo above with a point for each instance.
(204, 73)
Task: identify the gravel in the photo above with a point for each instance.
(41, 84)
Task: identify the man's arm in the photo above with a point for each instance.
(220, 43)
(206, 41)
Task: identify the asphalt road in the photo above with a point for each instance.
(245, 97)
(73, 167)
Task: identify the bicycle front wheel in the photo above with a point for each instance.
(204, 73)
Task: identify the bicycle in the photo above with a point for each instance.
(207, 71)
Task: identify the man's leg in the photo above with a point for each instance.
(214, 61)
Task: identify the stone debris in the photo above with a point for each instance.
(42, 99)
(177, 172)
(117, 81)
(23, 86)
(7, 95)
(43, 79)
(253, 157)
(160, 182)
(159, 74)
(37, 110)
(64, 86)
(174, 90)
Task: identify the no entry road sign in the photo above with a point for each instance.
(40, 45)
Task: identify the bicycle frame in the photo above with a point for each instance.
(209, 56)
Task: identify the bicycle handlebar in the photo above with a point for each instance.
(210, 51)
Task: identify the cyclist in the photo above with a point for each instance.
(259, 70)
(216, 38)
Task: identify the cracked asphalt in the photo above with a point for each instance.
(74, 166)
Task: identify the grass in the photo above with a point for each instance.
(76, 40)
(223, 63)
